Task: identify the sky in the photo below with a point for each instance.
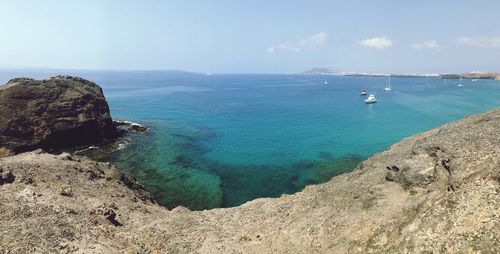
(258, 36)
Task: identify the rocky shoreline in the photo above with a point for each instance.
(438, 191)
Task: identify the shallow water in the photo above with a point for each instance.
(221, 140)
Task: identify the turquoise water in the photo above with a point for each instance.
(221, 140)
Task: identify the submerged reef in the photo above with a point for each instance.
(176, 170)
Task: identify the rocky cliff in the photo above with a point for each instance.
(56, 113)
(436, 192)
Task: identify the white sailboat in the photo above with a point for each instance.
(460, 85)
(388, 84)
(363, 91)
(326, 82)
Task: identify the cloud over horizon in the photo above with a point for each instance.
(481, 42)
(429, 44)
(379, 43)
(310, 42)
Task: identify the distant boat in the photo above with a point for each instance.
(371, 99)
(363, 91)
(460, 85)
(474, 80)
(326, 82)
(388, 84)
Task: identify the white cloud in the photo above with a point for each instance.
(482, 42)
(430, 44)
(310, 42)
(377, 42)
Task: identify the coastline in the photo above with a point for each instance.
(104, 150)
(438, 190)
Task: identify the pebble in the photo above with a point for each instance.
(485, 220)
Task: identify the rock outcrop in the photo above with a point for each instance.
(56, 113)
(436, 192)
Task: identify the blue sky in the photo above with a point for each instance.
(252, 36)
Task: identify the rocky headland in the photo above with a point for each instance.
(56, 113)
(472, 75)
(436, 192)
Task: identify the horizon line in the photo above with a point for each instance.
(340, 73)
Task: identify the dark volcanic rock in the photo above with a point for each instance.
(56, 113)
(128, 126)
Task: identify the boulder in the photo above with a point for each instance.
(51, 114)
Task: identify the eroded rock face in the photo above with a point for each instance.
(56, 113)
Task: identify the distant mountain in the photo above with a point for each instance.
(322, 71)
(326, 71)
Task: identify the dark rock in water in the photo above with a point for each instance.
(56, 113)
(130, 126)
(326, 156)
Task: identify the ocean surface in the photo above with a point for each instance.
(222, 140)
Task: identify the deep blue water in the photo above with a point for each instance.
(221, 140)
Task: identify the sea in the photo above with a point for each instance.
(221, 140)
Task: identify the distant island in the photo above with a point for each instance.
(472, 75)
(322, 71)
(466, 75)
